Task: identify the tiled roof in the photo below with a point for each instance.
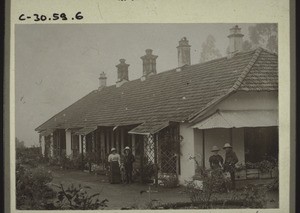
(171, 95)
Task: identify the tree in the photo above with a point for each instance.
(209, 50)
(262, 35)
(19, 144)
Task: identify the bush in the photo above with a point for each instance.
(254, 196)
(169, 180)
(31, 187)
(29, 156)
(203, 196)
(147, 171)
(76, 198)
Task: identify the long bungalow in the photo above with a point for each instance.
(172, 117)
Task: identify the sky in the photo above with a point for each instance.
(58, 64)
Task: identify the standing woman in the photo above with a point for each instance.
(114, 161)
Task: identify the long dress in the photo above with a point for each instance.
(115, 174)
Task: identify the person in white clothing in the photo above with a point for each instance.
(114, 160)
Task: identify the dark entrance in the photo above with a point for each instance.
(261, 143)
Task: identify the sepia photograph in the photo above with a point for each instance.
(146, 116)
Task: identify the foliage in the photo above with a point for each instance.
(264, 35)
(76, 198)
(203, 196)
(29, 156)
(209, 50)
(169, 180)
(147, 171)
(269, 164)
(19, 144)
(167, 140)
(31, 187)
(254, 196)
(200, 171)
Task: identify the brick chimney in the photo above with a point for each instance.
(235, 41)
(122, 72)
(184, 52)
(102, 80)
(149, 63)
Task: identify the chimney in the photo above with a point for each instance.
(122, 72)
(184, 52)
(102, 80)
(235, 40)
(149, 63)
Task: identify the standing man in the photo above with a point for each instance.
(230, 161)
(128, 164)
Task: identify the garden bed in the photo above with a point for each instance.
(218, 204)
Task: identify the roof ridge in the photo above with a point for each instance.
(247, 69)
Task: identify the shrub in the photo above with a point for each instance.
(203, 196)
(76, 198)
(254, 196)
(29, 156)
(169, 180)
(31, 187)
(147, 171)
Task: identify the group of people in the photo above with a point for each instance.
(121, 169)
(217, 164)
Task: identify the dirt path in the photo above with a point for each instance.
(119, 195)
(127, 196)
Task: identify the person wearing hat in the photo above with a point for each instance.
(114, 160)
(230, 161)
(216, 160)
(128, 164)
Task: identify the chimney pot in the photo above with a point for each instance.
(235, 40)
(184, 52)
(149, 52)
(149, 63)
(102, 80)
(122, 71)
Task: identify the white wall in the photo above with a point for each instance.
(68, 143)
(187, 166)
(43, 144)
(80, 145)
(250, 101)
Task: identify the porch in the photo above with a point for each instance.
(155, 152)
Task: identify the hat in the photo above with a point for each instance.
(215, 148)
(127, 147)
(113, 149)
(227, 145)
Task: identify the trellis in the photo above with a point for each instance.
(169, 149)
(161, 151)
(149, 155)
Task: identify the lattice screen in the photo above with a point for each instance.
(149, 159)
(149, 153)
(168, 157)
